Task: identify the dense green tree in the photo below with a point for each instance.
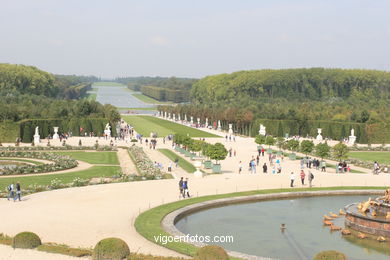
(306, 146)
(322, 150)
(340, 151)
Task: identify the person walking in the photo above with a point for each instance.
(170, 167)
(265, 168)
(177, 162)
(239, 167)
(257, 160)
(303, 177)
(11, 191)
(323, 166)
(185, 189)
(310, 178)
(292, 178)
(181, 188)
(18, 192)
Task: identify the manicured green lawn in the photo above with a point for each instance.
(148, 224)
(380, 157)
(107, 83)
(147, 124)
(94, 157)
(149, 100)
(95, 171)
(183, 163)
(137, 108)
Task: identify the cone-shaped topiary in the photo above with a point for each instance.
(26, 240)
(330, 255)
(211, 253)
(111, 249)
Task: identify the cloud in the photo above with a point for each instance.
(159, 40)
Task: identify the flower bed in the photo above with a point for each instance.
(60, 162)
(144, 165)
(56, 148)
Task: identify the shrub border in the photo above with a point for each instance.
(150, 223)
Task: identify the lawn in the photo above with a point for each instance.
(108, 84)
(138, 108)
(147, 124)
(183, 163)
(149, 100)
(380, 157)
(94, 157)
(93, 172)
(22, 160)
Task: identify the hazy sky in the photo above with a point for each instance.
(193, 38)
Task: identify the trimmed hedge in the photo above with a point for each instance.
(111, 249)
(211, 253)
(9, 131)
(330, 255)
(165, 94)
(26, 240)
(96, 125)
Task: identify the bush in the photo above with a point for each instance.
(211, 253)
(26, 240)
(111, 249)
(330, 255)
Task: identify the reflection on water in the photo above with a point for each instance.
(256, 228)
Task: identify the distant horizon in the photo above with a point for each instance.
(193, 39)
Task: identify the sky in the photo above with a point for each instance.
(193, 38)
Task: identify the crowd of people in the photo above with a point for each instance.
(14, 192)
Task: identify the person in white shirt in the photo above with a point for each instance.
(292, 178)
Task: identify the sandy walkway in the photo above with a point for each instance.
(8, 253)
(125, 162)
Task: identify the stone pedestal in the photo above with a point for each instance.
(198, 173)
(107, 133)
(262, 130)
(37, 139)
(352, 140)
(219, 126)
(230, 129)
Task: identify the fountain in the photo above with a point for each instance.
(370, 217)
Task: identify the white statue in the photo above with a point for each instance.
(107, 130)
(185, 117)
(219, 125)
(319, 136)
(165, 114)
(174, 117)
(169, 115)
(198, 173)
(192, 120)
(207, 123)
(55, 135)
(230, 129)
(37, 137)
(198, 120)
(179, 117)
(352, 137)
(262, 130)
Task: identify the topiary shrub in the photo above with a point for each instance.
(26, 240)
(111, 249)
(211, 253)
(330, 255)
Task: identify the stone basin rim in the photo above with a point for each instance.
(169, 221)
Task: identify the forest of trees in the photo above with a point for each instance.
(172, 89)
(27, 93)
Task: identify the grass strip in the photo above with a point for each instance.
(148, 223)
(64, 250)
(94, 157)
(21, 160)
(183, 163)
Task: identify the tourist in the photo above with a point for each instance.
(11, 191)
(303, 177)
(235, 153)
(323, 166)
(302, 163)
(239, 167)
(230, 152)
(18, 192)
(259, 151)
(181, 188)
(310, 178)
(262, 151)
(257, 160)
(177, 162)
(292, 178)
(170, 167)
(279, 169)
(273, 170)
(185, 189)
(265, 168)
(376, 167)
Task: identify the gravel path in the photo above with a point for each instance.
(125, 162)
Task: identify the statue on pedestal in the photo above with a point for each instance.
(198, 120)
(219, 125)
(319, 136)
(107, 130)
(192, 120)
(37, 137)
(352, 137)
(230, 129)
(185, 117)
(207, 123)
(55, 135)
(262, 130)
